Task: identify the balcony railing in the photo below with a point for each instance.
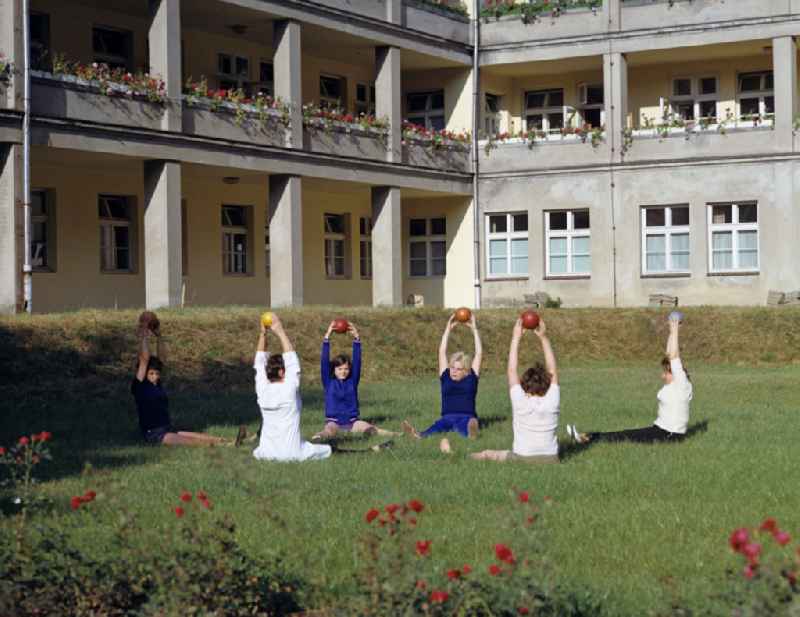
(539, 19)
(649, 14)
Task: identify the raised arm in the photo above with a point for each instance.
(673, 352)
(547, 349)
(355, 368)
(260, 360)
(478, 357)
(513, 355)
(325, 357)
(277, 328)
(443, 345)
(144, 355)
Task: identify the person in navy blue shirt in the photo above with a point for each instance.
(340, 379)
(152, 403)
(459, 384)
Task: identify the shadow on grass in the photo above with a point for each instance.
(487, 421)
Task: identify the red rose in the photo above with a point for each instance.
(523, 610)
(738, 539)
(23, 441)
(416, 505)
(392, 508)
(372, 514)
(453, 574)
(186, 496)
(89, 496)
(438, 596)
(782, 538)
(504, 553)
(466, 569)
(494, 569)
(523, 497)
(201, 495)
(423, 547)
(179, 512)
(75, 503)
(45, 436)
(769, 524)
(752, 551)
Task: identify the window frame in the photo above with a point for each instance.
(111, 59)
(327, 102)
(366, 106)
(330, 239)
(544, 111)
(430, 112)
(762, 94)
(365, 265)
(107, 226)
(429, 239)
(667, 230)
(239, 80)
(508, 236)
(570, 233)
(491, 117)
(234, 230)
(40, 49)
(49, 221)
(583, 107)
(695, 97)
(735, 228)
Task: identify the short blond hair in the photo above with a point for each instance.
(462, 357)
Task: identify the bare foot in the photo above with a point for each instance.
(472, 428)
(409, 430)
(444, 446)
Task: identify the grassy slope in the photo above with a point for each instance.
(630, 521)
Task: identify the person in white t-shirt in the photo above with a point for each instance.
(278, 391)
(535, 401)
(673, 403)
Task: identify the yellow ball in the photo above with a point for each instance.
(266, 319)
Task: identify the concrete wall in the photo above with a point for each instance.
(772, 185)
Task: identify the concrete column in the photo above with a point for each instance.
(394, 11)
(613, 12)
(387, 253)
(288, 77)
(11, 232)
(615, 89)
(784, 65)
(388, 98)
(11, 46)
(286, 240)
(163, 263)
(164, 38)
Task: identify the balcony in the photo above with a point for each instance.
(543, 152)
(648, 14)
(436, 21)
(586, 17)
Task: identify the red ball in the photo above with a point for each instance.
(530, 320)
(340, 325)
(463, 315)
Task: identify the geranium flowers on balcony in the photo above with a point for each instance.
(112, 82)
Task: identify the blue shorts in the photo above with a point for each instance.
(156, 435)
(451, 423)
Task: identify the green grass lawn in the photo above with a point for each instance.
(638, 524)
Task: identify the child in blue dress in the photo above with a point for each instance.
(340, 379)
(459, 385)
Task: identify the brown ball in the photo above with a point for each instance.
(340, 325)
(530, 320)
(149, 321)
(463, 315)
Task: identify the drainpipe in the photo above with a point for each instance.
(27, 269)
(476, 99)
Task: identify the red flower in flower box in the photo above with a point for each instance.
(454, 574)
(423, 547)
(415, 505)
(372, 514)
(494, 569)
(503, 553)
(438, 596)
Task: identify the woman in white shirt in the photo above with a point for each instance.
(673, 403)
(278, 391)
(535, 401)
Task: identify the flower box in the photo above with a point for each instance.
(744, 139)
(578, 21)
(226, 121)
(650, 14)
(547, 152)
(342, 139)
(449, 156)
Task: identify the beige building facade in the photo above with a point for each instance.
(624, 148)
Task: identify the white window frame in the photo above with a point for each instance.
(667, 230)
(508, 236)
(109, 58)
(240, 79)
(694, 97)
(234, 262)
(365, 247)
(735, 228)
(108, 223)
(331, 239)
(430, 112)
(328, 102)
(583, 105)
(429, 239)
(570, 233)
(545, 111)
(762, 94)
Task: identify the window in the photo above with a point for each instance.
(113, 47)
(266, 80)
(116, 216)
(233, 71)
(365, 247)
(665, 239)
(569, 243)
(426, 109)
(693, 98)
(267, 267)
(491, 113)
(591, 104)
(365, 99)
(733, 237)
(756, 94)
(507, 241)
(544, 110)
(336, 235)
(42, 231)
(427, 247)
(40, 42)
(332, 92)
(234, 239)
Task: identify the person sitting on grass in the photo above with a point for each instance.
(278, 392)
(535, 401)
(340, 379)
(152, 403)
(673, 403)
(459, 386)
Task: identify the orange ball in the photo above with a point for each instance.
(530, 320)
(340, 325)
(463, 315)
